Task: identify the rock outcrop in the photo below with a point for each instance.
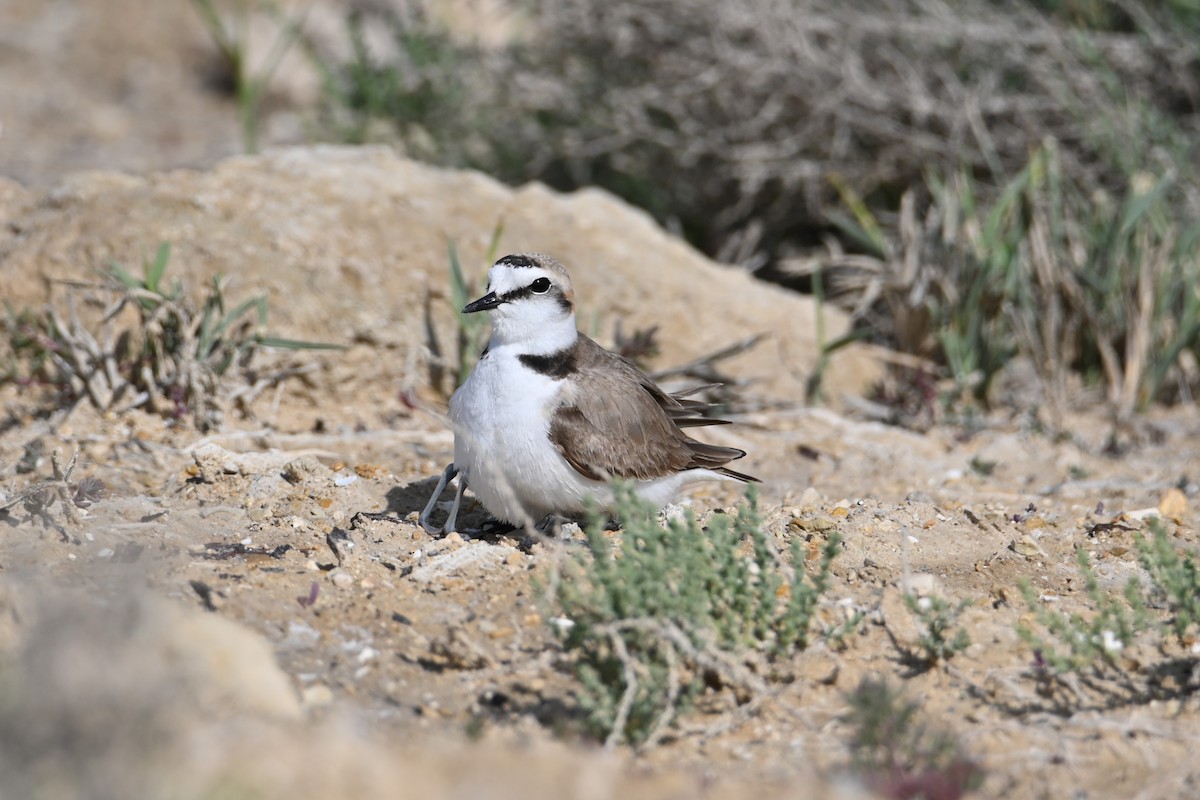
(351, 245)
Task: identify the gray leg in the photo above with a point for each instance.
(452, 520)
(447, 476)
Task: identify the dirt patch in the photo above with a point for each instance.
(310, 540)
(256, 612)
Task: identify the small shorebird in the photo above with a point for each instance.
(548, 416)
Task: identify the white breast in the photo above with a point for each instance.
(501, 419)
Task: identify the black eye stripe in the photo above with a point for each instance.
(528, 291)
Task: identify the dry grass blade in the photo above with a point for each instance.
(39, 498)
(753, 105)
(1104, 292)
(150, 346)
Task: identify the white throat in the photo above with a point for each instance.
(534, 329)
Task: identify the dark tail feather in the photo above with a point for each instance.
(741, 476)
(715, 457)
(698, 422)
(704, 387)
(690, 413)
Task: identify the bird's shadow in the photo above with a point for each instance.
(405, 499)
(473, 520)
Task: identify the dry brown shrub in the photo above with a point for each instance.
(732, 119)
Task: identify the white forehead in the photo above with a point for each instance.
(504, 278)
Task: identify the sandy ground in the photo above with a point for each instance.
(417, 638)
(224, 622)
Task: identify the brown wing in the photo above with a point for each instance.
(616, 423)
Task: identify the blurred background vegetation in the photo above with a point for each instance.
(1003, 194)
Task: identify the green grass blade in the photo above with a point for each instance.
(158, 267)
(494, 244)
(215, 26)
(459, 291)
(233, 316)
(1138, 204)
(125, 278)
(865, 227)
(295, 344)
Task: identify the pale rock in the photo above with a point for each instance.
(307, 466)
(214, 462)
(922, 584)
(342, 580)
(316, 696)
(354, 238)
(810, 498)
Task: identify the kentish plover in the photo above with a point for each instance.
(548, 416)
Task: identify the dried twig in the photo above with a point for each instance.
(675, 643)
(703, 367)
(39, 498)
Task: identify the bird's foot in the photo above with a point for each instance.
(447, 475)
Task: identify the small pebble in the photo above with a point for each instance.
(810, 498)
(342, 580)
(298, 469)
(316, 696)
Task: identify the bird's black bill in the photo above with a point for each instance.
(485, 303)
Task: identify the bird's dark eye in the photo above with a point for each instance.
(540, 286)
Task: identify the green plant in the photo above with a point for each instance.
(1099, 15)
(813, 392)
(172, 358)
(982, 467)
(966, 236)
(472, 328)
(936, 618)
(1047, 268)
(1175, 579)
(419, 94)
(898, 755)
(1070, 642)
(650, 617)
(29, 346)
(231, 35)
(619, 96)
